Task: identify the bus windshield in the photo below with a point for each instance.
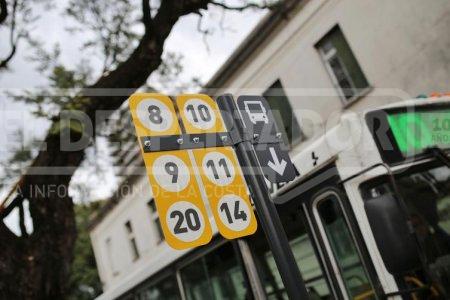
(405, 133)
(427, 196)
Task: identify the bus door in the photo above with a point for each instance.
(342, 244)
(323, 244)
(337, 238)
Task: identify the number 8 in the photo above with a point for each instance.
(155, 114)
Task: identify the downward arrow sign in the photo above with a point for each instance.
(277, 165)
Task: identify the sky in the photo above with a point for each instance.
(202, 58)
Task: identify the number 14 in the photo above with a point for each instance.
(238, 214)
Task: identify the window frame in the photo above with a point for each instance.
(174, 268)
(109, 255)
(330, 255)
(321, 254)
(301, 137)
(155, 221)
(326, 57)
(326, 242)
(132, 241)
(156, 281)
(197, 255)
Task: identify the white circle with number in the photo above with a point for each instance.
(154, 115)
(171, 173)
(200, 114)
(234, 212)
(218, 168)
(185, 221)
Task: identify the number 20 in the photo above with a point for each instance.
(191, 217)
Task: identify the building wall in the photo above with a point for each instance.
(402, 47)
(133, 208)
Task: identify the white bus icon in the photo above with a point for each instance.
(256, 112)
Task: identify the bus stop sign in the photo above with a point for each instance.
(263, 131)
(190, 161)
(197, 158)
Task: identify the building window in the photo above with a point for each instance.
(283, 113)
(132, 240)
(166, 289)
(109, 255)
(342, 66)
(216, 275)
(155, 222)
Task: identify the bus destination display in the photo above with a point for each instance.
(414, 132)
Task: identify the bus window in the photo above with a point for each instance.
(166, 289)
(216, 275)
(304, 254)
(426, 193)
(340, 241)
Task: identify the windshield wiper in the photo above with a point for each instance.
(439, 154)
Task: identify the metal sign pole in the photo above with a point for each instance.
(265, 208)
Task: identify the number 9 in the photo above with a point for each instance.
(172, 169)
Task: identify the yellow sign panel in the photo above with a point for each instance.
(153, 115)
(226, 190)
(183, 215)
(173, 173)
(200, 114)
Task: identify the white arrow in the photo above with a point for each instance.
(277, 165)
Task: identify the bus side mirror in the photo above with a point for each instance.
(396, 244)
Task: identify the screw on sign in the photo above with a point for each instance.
(183, 215)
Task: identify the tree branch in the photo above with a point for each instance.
(5, 211)
(23, 228)
(146, 14)
(265, 5)
(130, 75)
(4, 62)
(13, 40)
(147, 53)
(3, 11)
(203, 32)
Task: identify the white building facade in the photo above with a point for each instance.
(314, 62)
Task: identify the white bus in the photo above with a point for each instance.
(368, 217)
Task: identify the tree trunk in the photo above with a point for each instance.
(38, 266)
